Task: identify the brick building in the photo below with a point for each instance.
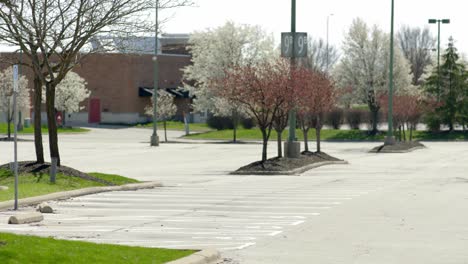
(121, 84)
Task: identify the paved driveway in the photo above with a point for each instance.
(400, 208)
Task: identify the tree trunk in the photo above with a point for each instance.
(305, 132)
(318, 129)
(412, 126)
(375, 121)
(280, 141)
(404, 132)
(399, 133)
(37, 121)
(265, 145)
(234, 139)
(235, 122)
(165, 131)
(9, 120)
(52, 123)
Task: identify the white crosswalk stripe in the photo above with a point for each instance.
(224, 216)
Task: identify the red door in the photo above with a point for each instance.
(94, 110)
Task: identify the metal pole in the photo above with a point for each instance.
(328, 21)
(15, 125)
(154, 137)
(292, 113)
(390, 140)
(438, 61)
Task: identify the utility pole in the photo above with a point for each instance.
(154, 137)
(390, 140)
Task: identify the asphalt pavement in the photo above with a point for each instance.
(381, 208)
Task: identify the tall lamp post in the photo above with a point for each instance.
(292, 147)
(154, 136)
(390, 140)
(438, 21)
(328, 54)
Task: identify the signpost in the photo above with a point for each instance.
(293, 45)
(15, 125)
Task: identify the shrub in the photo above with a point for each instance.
(335, 118)
(248, 123)
(433, 122)
(220, 122)
(354, 118)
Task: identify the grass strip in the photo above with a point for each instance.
(31, 185)
(18, 249)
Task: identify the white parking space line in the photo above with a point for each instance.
(213, 214)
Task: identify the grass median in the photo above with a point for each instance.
(328, 134)
(36, 184)
(28, 249)
(30, 130)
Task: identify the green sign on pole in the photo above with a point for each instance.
(293, 45)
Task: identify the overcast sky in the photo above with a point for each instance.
(275, 16)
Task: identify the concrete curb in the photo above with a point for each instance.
(297, 171)
(206, 256)
(397, 151)
(75, 193)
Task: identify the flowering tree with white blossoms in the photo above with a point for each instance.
(217, 51)
(6, 95)
(70, 93)
(365, 65)
(166, 109)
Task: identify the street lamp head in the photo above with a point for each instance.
(432, 21)
(445, 21)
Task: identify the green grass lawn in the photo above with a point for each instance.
(30, 130)
(18, 249)
(179, 126)
(327, 134)
(254, 134)
(31, 185)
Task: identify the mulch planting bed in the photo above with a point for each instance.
(398, 147)
(26, 167)
(286, 165)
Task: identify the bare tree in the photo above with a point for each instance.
(317, 56)
(55, 35)
(416, 45)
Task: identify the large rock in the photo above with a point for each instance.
(45, 208)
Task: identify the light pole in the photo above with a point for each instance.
(438, 21)
(292, 147)
(390, 140)
(328, 55)
(154, 136)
